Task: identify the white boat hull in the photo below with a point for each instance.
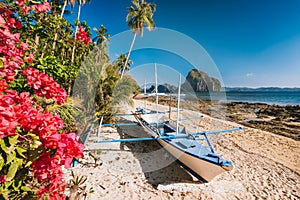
(204, 170)
(201, 168)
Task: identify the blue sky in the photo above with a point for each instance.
(252, 43)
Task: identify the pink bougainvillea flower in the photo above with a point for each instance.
(47, 169)
(44, 7)
(24, 46)
(41, 83)
(2, 179)
(82, 36)
(8, 116)
(30, 58)
(20, 111)
(18, 24)
(11, 22)
(69, 148)
(26, 9)
(3, 85)
(2, 21)
(20, 2)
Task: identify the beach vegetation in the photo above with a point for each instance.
(77, 189)
(35, 139)
(41, 56)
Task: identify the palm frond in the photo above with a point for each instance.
(140, 15)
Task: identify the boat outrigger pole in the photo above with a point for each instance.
(170, 137)
(190, 118)
(127, 124)
(220, 131)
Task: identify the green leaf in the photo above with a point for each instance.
(4, 192)
(1, 63)
(17, 184)
(28, 164)
(21, 151)
(6, 149)
(1, 162)
(13, 140)
(11, 157)
(35, 141)
(25, 188)
(12, 170)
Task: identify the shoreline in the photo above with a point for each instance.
(261, 169)
(262, 103)
(282, 120)
(273, 98)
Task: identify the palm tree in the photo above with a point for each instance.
(121, 61)
(72, 2)
(101, 36)
(124, 90)
(80, 3)
(139, 15)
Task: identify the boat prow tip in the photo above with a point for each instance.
(226, 165)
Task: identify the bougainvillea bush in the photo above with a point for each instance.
(33, 145)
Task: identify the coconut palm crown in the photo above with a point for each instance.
(140, 15)
(101, 36)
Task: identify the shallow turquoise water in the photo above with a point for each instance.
(277, 98)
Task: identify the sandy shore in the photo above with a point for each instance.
(266, 165)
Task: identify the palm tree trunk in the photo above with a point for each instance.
(128, 56)
(44, 49)
(63, 9)
(36, 43)
(62, 53)
(74, 46)
(76, 30)
(56, 34)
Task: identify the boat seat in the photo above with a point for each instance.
(186, 144)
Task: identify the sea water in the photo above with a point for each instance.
(273, 98)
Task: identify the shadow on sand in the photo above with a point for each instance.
(157, 164)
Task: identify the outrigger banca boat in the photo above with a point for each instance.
(198, 159)
(201, 161)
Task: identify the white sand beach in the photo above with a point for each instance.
(266, 166)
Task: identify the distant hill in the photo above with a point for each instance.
(199, 81)
(261, 89)
(196, 81)
(165, 88)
